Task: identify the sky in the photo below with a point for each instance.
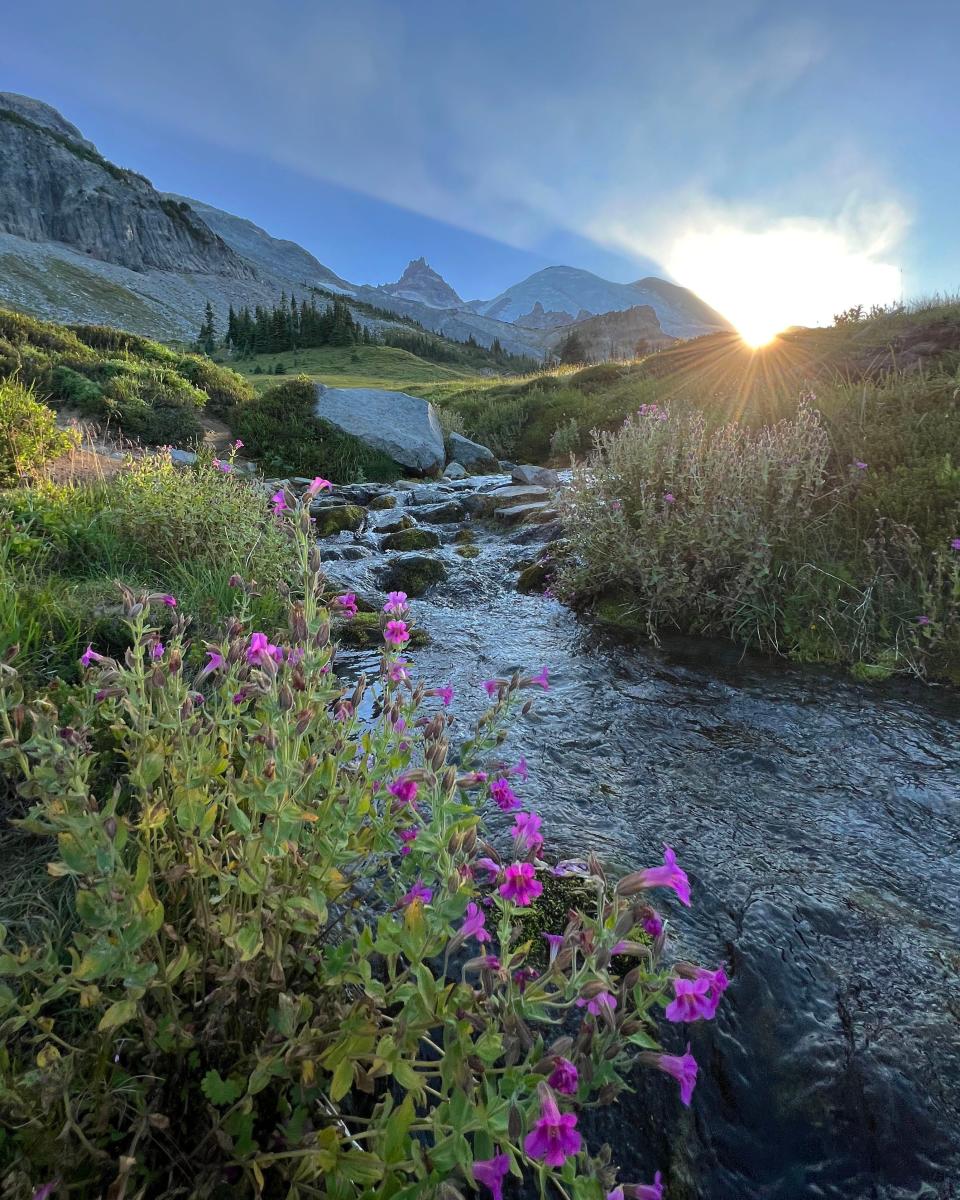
(807, 152)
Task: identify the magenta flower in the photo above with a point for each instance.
(90, 656)
(488, 865)
(407, 836)
(616, 505)
(474, 924)
(669, 875)
(554, 941)
(542, 680)
(214, 663)
(597, 1004)
(861, 466)
(669, 498)
(222, 466)
(719, 983)
(261, 649)
(683, 1068)
(923, 621)
(503, 795)
(521, 770)
(491, 1172)
(650, 1191)
(45, 1190)
(279, 501)
(491, 686)
(157, 650)
(445, 694)
(238, 445)
(526, 829)
(491, 962)
(692, 1000)
(554, 1136)
(396, 604)
(347, 603)
(520, 884)
(523, 976)
(317, 485)
(397, 671)
(169, 601)
(955, 544)
(564, 1077)
(397, 633)
(295, 655)
(404, 789)
(417, 892)
(652, 923)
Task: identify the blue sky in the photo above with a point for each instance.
(498, 139)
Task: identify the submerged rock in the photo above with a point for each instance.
(525, 514)
(404, 427)
(412, 573)
(411, 539)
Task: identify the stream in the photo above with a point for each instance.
(819, 822)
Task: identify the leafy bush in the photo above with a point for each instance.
(224, 388)
(70, 387)
(280, 430)
(275, 971)
(29, 437)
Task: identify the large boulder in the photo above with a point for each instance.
(469, 454)
(411, 573)
(541, 476)
(411, 539)
(404, 427)
(337, 519)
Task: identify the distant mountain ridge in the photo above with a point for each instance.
(82, 239)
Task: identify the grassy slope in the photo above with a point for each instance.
(356, 366)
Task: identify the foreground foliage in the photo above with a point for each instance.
(29, 437)
(289, 964)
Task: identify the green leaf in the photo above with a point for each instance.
(489, 1047)
(149, 771)
(395, 1140)
(342, 1080)
(219, 1091)
(248, 940)
(118, 1014)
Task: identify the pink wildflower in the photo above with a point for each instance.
(417, 892)
(861, 466)
(90, 656)
(923, 620)
(397, 671)
(955, 543)
(169, 601)
(214, 663)
(683, 1068)
(347, 603)
(404, 789)
(692, 1000)
(279, 501)
(541, 680)
(669, 498)
(237, 445)
(521, 770)
(596, 1004)
(554, 1137)
(261, 649)
(526, 829)
(520, 884)
(397, 633)
(491, 687)
(491, 1172)
(157, 650)
(474, 924)
(491, 962)
(564, 1077)
(396, 604)
(488, 865)
(317, 485)
(407, 836)
(719, 983)
(503, 795)
(650, 1191)
(652, 923)
(222, 466)
(669, 875)
(554, 941)
(445, 694)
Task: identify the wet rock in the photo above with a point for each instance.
(522, 514)
(404, 427)
(463, 536)
(441, 514)
(471, 454)
(394, 523)
(534, 578)
(183, 458)
(430, 495)
(454, 470)
(468, 551)
(384, 501)
(485, 504)
(534, 534)
(411, 539)
(355, 493)
(336, 519)
(411, 573)
(543, 476)
(347, 553)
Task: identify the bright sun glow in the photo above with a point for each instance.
(795, 273)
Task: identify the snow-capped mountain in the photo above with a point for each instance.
(580, 293)
(422, 283)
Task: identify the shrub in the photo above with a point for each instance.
(276, 974)
(29, 437)
(224, 388)
(280, 430)
(70, 387)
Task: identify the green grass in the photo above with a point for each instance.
(355, 366)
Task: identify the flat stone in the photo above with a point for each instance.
(394, 522)
(182, 458)
(329, 521)
(384, 501)
(411, 539)
(543, 476)
(518, 514)
(406, 428)
(441, 514)
(430, 495)
(486, 503)
(351, 553)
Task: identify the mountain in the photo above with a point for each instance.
(624, 334)
(575, 293)
(421, 282)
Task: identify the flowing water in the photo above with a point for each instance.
(819, 822)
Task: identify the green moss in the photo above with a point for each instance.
(338, 518)
(468, 551)
(411, 539)
(465, 537)
(384, 501)
(534, 578)
(413, 574)
(548, 913)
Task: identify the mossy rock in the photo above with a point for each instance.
(534, 578)
(464, 537)
(396, 523)
(468, 551)
(548, 913)
(384, 501)
(338, 518)
(365, 632)
(620, 614)
(411, 539)
(412, 573)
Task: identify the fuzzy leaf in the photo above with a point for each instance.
(219, 1091)
(118, 1014)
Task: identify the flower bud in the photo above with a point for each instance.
(561, 1047)
(594, 988)
(303, 722)
(526, 708)
(285, 698)
(157, 677)
(514, 1124)
(110, 828)
(270, 770)
(174, 660)
(310, 764)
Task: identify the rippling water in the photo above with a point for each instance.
(819, 822)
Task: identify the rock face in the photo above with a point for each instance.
(421, 282)
(56, 187)
(404, 427)
(469, 454)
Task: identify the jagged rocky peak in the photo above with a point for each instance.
(421, 282)
(45, 115)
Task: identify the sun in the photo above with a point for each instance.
(794, 273)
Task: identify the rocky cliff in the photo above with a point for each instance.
(56, 187)
(421, 282)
